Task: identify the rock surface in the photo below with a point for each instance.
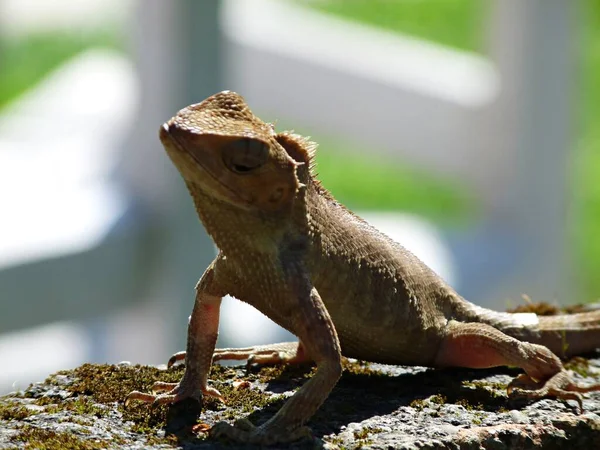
(373, 406)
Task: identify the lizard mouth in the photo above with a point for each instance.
(170, 140)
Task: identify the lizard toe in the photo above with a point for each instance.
(539, 394)
(559, 386)
(141, 396)
(522, 382)
(167, 393)
(161, 399)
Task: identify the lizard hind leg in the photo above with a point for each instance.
(478, 346)
(270, 354)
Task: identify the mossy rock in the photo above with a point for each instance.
(372, 406)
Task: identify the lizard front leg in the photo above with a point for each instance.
(202, 336)
(478, 345)
(313, 325)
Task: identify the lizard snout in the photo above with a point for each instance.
(164, 131)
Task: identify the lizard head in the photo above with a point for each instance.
(223, 149)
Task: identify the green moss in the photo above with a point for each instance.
(546, 309)
(110, 385)
(579, 365)
(540, 308)
(80, 405)
(565, 344)
(361, 434)
(336, 440)
(360, 368)
(244, 400)
(575, 309)
(168, 439)
(14, 412)
(470, 406)
(417, 404)
(84, 422)
(285, 373)
(39, 439)
(364, 433)
(362, 437)
(490, 387)
(438, 399)
(482, 395)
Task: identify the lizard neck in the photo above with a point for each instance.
(235, 231)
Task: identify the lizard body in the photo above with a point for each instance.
(288, 248)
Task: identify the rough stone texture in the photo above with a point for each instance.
(373, 406)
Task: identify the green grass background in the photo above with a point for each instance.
(26, 60)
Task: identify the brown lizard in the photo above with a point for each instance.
(288, 248)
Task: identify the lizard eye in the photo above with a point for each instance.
(245, 155)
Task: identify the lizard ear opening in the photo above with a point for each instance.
(301, 149)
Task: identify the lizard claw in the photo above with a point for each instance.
(179, 356)
(243, 431)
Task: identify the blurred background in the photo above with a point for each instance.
(465, 129)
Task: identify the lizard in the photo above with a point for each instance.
(289, 249)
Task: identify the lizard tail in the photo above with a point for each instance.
(570, 334)
(566, 335)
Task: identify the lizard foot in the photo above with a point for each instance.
(175, 392)
(243, 431)
(559, 386)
